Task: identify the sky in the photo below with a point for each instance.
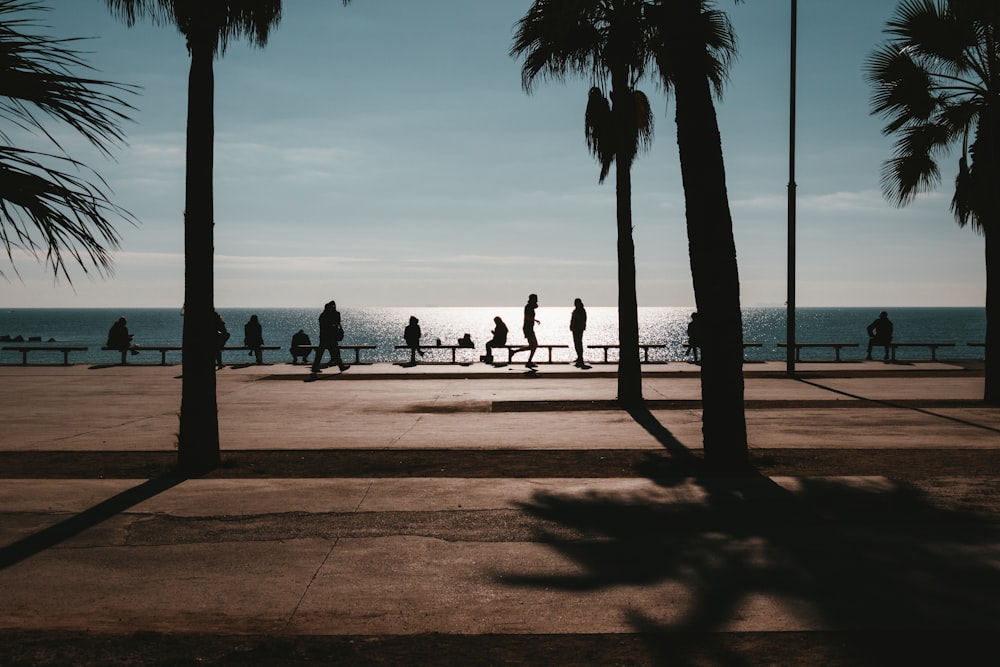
(385, 154)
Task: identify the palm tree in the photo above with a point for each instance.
(937, 81)
(42, 204)
(605, 41)
(207, 27)
(693, 45)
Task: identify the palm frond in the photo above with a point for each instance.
(39, 79)
(600, 130)
(51, 210)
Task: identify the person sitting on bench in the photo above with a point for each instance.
(499, 339)
(300, 347)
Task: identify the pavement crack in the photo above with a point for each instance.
(315, 574)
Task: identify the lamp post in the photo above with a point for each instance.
(790, 283)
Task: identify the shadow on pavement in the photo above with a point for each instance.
(891, 404)
(851, 555)
(76, 524)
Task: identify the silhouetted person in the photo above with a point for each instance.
(880, 333)
(528, 328)
(299, 346)
(499, 339)
(466, 341)
(411, 334)
(578, 324)
(694, 337)
(330, 335)
(222, 337)
(253, 337)
(119, 338)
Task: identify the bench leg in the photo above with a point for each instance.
(24, 357)
(836, 353)
(933, 352)
(65, 357)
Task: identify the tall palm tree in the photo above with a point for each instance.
(693, 46)
(207, 26)
(937, 81)
(604, 40)
(43, 204)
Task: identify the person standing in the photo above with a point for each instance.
(411, 334)
(528, 328)
(253, 337)
(221, 338)
(330, 335)
(578, 324)
(880, 333)
(694, 342)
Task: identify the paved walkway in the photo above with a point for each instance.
(545, 554)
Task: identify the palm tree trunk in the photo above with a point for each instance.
(629, 368)
(991, 392)
(712, 249)
(198, 441)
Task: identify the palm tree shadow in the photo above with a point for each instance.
(849, 554)
(54, 535)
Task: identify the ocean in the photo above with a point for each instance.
(383, 326)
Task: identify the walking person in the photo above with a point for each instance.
(330, 335)
(578, 324)
(880, 333)
(253, 337)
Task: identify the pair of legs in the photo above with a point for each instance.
(578, 345)
(873, 342)
(490, 344)
(334, 356)
(531, 347)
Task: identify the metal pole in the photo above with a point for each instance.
(790, 322)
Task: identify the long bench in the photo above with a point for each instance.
(356, 348)
(645, 347)
(163, 349)
(25, 349)
(687, 347)
(513, 349)
(453, 348)
(933, 346)
(837, 347)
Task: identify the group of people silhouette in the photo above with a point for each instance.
(331, 333)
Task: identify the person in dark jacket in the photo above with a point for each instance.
(253, 337)
(578, 324)
(330, 335)
(300, 346)
(499, 339)
(411, 334)
(880, 333)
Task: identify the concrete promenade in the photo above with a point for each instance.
(480, 515)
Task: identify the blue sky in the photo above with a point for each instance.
(385, 154)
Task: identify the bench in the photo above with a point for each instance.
(687, 347)
(25, 349)
(643, 346)
(355, 348)
(513, 349)
(836, 348)
(453, 348)
(163, 349)
(933, 348)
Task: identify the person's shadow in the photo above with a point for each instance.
(858, 555)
